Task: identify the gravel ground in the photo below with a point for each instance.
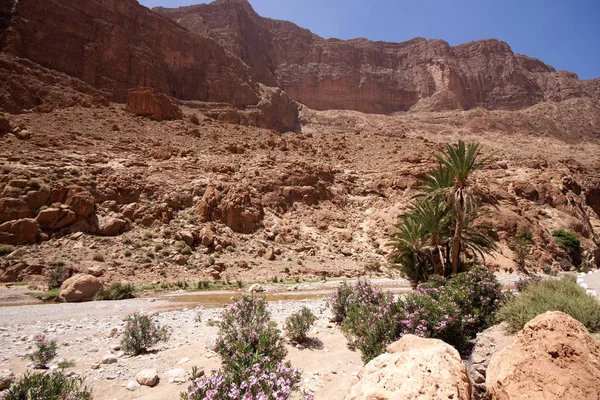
(87, 332)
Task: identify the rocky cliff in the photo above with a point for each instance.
(113, 46)
(379, 77)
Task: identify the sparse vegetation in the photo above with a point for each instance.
(98, 257)
(570, 243)
(45, 351)
(53, 386)
(6, 249)
(552, 295)
(116, 291)
(141, 334)
(298, 324)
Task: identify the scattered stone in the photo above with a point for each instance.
(177, 375)
(109, 359)
(270, 254)
(256, 288)
(147, 102)
(133, 386)
(147, 377)
(96, 271)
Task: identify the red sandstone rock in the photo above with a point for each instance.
(147, 102)
(23, 231)
(379, 77)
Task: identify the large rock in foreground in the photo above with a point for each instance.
(80, 288)
(147, 102)
(553, 358)
(414, 368)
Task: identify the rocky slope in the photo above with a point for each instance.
(379, 77)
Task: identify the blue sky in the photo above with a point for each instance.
(562, 33)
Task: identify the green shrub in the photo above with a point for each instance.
(44, 353)
(57, 276)
(116, 291)
(552, 295)
(6, 249)
(298, 324)
(141, 333)
(570, 243)
(51, 386)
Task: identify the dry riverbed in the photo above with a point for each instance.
(87, 332)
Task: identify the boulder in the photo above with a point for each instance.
(147, 377)
(96, 270)
(4, 124)
(553, 357)
(80, 287)
(110, 226)
(414, 368)
(6, 378)
(147, 102)
(22, 231)
(81, 202)
(56, 218)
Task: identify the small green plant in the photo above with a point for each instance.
(563, 295)
(44, 353)
(141, 334)
(98, 257)
(116, 291)
(298, 324)
(37, 100)
(127, 253)
(52, 386)
(66, 364)
(570, 243)
(34, 184)
(203, 285)
(211, 260)
(57, 276)
(162, 273)
(6, 249)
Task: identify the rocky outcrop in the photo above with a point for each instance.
(554, 357)
(379, 77)
(414, 368)
(80, 288)
(236, 207)
(147, 102)
(22, 231)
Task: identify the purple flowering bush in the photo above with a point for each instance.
(252, 352)
(339, 301)
(53, 385)
(453, 310)
(522, 283)
(370, 323)
(141, 333)
(44, 353)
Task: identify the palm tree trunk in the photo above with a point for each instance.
(459, 204)
(456, 241)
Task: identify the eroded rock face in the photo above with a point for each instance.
(80, 288)
(147, 102)
(553, 357)
(235, 207)
(379, 77)
(414, 368)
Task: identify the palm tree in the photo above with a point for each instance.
(456, 164)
